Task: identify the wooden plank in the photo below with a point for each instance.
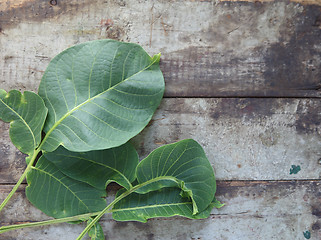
(244, 139)
(315, 2)
(12, 161)
(261, 48)
(254, 210)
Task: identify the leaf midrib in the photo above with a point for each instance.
(88, 100)
(151, 206)
(174, 179)
(153, 180)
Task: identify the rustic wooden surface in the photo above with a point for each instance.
(209, 48)
(242, 77)
(244, 138)
(252, 211)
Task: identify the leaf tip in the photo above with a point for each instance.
(217, 203)
(3, 93)
(156, 57)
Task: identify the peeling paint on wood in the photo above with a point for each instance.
(230, 49)
(12, 162)
(248, 139)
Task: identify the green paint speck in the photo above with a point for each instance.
(295, 169)
(307, 234)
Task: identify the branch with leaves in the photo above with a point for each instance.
(93, 98)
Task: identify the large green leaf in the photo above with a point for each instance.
(99, 95)
(26, 113)
(166, 202)
(98, 168)
(184, 165)
(60, 196)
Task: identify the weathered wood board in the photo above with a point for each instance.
(209, 48)
(254, 210)
(244, 139)
(242, 78)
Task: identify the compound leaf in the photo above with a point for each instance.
(60, 196)
(98, 168)
(26, 113)
(99, 95)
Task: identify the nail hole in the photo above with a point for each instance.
(53, 2)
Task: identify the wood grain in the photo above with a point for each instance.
(273, 209)
(311, 2)
(243, 78)
(244, 138)
(230, 49)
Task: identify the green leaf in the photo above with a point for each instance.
(60, 196)
(96, 232)
(98, 168)
(26, 113)
(184, 165)
(99, 95)
(165, 202)
(217, 204)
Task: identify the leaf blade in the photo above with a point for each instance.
(105, 97)
(96, 232)
(184, 165)
(165, 202)
(26, 113)
(98, 168)
(57, 195)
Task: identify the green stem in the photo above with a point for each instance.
(78, 217)
(23, 176)
(20, 179)
(53, 221)
(96, 219)
(125, 194)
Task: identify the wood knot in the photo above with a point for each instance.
(317, 22)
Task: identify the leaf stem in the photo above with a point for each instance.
(23, 176)
(96, 219)
(47, 222)
(78, 217)
(117, 199)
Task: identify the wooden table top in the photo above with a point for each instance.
(243, 78)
